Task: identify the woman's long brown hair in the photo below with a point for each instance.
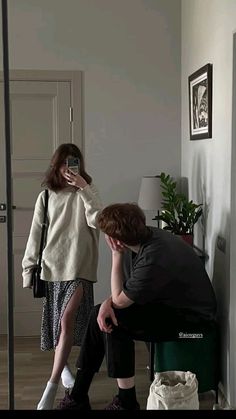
(53, 178)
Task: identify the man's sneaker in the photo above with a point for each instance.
(68, 403)
(116, 405)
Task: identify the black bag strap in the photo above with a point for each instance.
(44, 225)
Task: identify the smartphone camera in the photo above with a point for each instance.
(73, 164)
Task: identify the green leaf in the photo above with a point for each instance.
(178, 213)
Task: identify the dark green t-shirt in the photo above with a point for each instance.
(167, 270)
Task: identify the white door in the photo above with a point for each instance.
(40, 121)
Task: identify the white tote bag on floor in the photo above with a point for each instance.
(173, 390)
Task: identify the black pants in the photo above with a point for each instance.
(144, 323)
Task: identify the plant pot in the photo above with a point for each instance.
(188, 238)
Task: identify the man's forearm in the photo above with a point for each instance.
(116, 275)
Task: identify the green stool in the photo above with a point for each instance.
(198, 355)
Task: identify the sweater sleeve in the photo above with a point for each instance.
(92, 204)
(33, 243)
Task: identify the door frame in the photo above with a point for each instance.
(231, 367)
(77, 137)
(77, 132)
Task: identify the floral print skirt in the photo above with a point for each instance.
(58, 295)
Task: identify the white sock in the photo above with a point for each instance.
(67, 377)
(48, 397)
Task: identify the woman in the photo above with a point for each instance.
(69, 261)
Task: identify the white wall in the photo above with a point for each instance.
(129, 51)
(207, 37)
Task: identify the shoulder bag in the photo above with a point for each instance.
(39, 288)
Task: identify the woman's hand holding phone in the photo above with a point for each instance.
(74, 179)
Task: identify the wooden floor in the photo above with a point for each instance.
(33, 367)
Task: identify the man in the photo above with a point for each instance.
(159, 288)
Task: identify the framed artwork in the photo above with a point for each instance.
(200, 103)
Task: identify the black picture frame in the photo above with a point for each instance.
(200, 103)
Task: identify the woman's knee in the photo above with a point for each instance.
(67, 322)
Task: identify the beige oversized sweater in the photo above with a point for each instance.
(71, 249)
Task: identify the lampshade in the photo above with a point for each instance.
(150, 194)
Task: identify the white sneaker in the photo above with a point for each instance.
(67, 377)
(48, 397)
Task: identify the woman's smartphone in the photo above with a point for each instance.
(73, 164)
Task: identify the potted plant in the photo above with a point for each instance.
(178, 213)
